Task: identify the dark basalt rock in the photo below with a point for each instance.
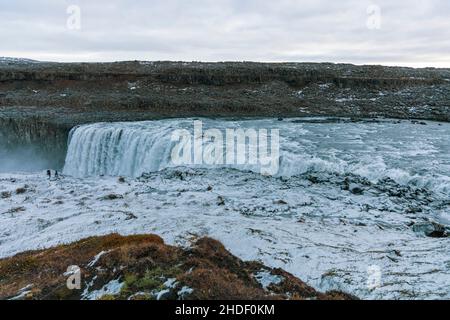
(431, 229)
(74, 93)
(355, 189)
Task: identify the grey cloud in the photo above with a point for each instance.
(413, 32)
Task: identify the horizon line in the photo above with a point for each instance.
(389, 65)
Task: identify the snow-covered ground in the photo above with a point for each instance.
(16, 60)
(343, 205)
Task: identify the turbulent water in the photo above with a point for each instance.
(406, 152)
(347, 198)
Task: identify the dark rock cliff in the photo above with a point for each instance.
(145, 90)
(32, 139)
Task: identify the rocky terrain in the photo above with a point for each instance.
(86, 92)
(40, 102)
(142, 267)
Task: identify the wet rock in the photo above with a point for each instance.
(130, 216)
(21, 190)
(112, 196)
(16, 210)
(167, 295)
(220, 201)
(414, 210)
(431, 229)
(355, 188)
(5, 195)
(313, 179)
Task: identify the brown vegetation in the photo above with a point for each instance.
(144, 264)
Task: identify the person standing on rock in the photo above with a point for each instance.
(49, 174)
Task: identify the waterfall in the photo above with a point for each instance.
(408, 154)
(116, 149)
(134, 148)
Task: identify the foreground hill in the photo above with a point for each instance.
(143, 267)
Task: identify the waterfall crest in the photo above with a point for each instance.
(406, 153)
(118, 149)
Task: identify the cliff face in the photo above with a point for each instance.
(42, 142)
(78, 93)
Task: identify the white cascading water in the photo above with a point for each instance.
(118, 149)
(134, 148)
(405, 152)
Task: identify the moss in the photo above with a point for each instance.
(152, 280)
(20, 266)
(62, 293)
(149, 282)
(129, 283)
(142, 296)
(108, 297)
(130, 279)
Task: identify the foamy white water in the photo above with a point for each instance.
(405, 152)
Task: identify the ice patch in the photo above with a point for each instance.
(96, 258)
(265, 278)
(185, 291)
(111, 288)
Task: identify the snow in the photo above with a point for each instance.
(23, 292)
(299, 94)
(96, 258)
(325, 86)
(170, 283)
(132, 86)
(343, 99)
(308, 237)
(185, 291)
(111, 288)
(302, 220)
(21, 295)
(161, 293)
(349, 99)
(10, 60)
(265, 278)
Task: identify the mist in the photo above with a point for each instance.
(25, 159)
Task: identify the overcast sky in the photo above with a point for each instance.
(403, 32)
